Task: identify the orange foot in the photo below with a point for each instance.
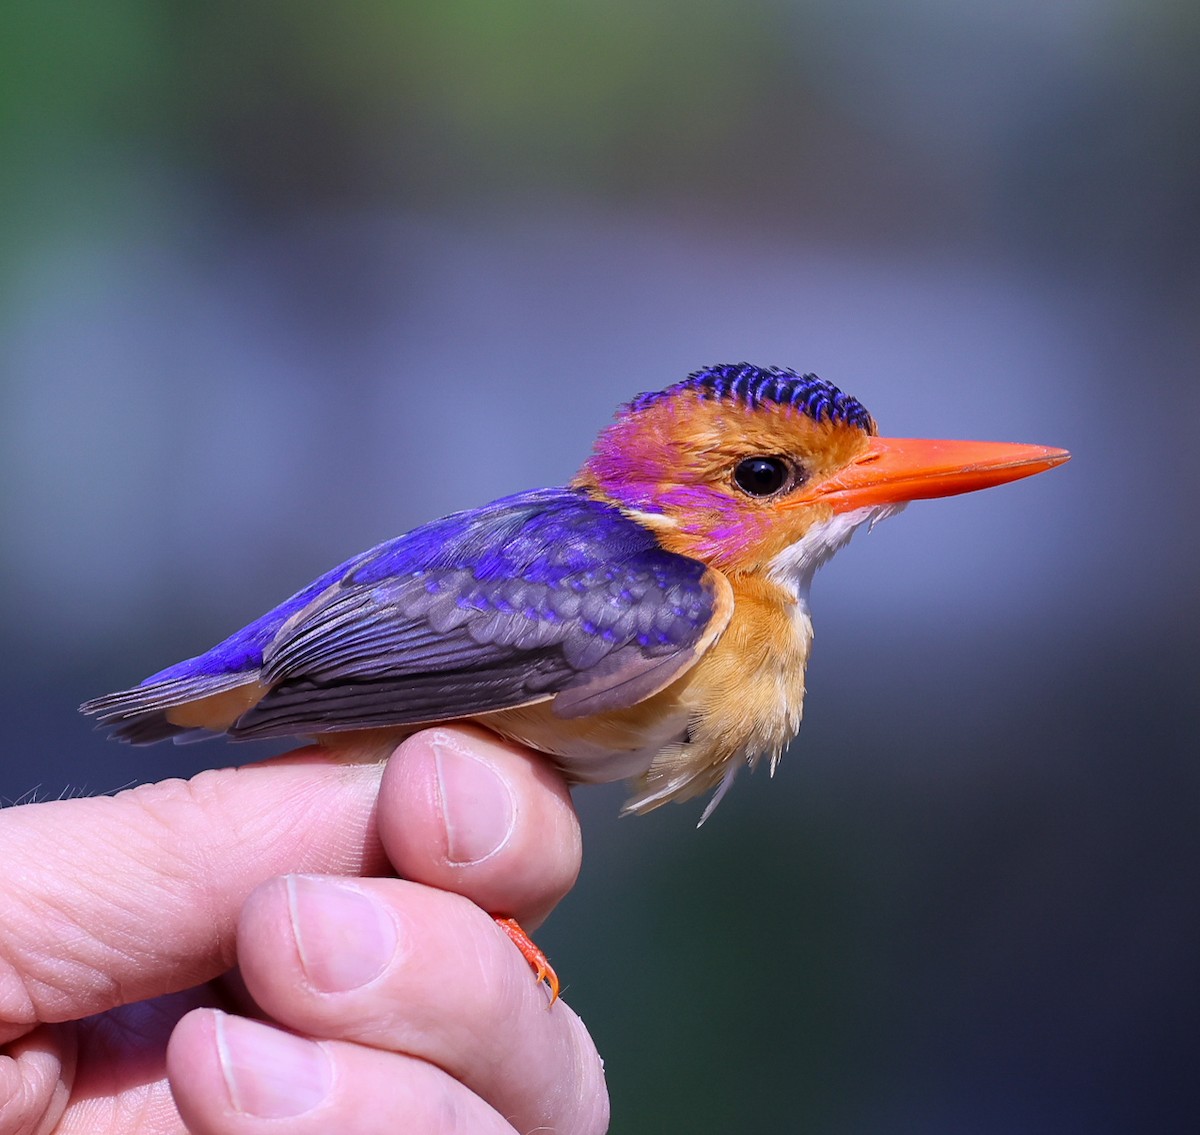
(538, 962)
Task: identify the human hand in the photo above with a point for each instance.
(127, 911)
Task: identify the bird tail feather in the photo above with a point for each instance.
(186, 708)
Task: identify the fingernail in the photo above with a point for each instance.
(477, 805)
(268, 1073)
(343, 936)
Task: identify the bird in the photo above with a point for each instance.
(648, 621)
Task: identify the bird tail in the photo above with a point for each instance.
(186, 708)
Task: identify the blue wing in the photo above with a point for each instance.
(544, 594)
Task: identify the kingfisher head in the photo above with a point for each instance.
(751, 469)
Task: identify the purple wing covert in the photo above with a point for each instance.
(543, 593)
(546, 592)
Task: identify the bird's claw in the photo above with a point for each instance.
(538, 962)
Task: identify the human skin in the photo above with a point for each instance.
(296, 945)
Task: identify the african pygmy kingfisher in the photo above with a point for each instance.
(649, 620)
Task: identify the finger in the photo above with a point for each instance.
(35, 1076)
(117, 899)
(408, 968)
(119, 1071)
(231, 1076)
(464, 811)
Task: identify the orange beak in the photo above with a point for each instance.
(894, 469)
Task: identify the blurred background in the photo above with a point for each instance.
(280, 281)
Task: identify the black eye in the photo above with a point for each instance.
(762, 476)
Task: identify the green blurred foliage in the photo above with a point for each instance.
(858, 119)
(433, 100)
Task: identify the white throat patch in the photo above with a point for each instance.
(795, 566)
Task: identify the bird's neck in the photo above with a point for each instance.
(748, 691)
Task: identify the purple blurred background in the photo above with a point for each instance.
(281, 281)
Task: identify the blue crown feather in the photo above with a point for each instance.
(752, 386)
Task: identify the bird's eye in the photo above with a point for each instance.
(762, 476)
